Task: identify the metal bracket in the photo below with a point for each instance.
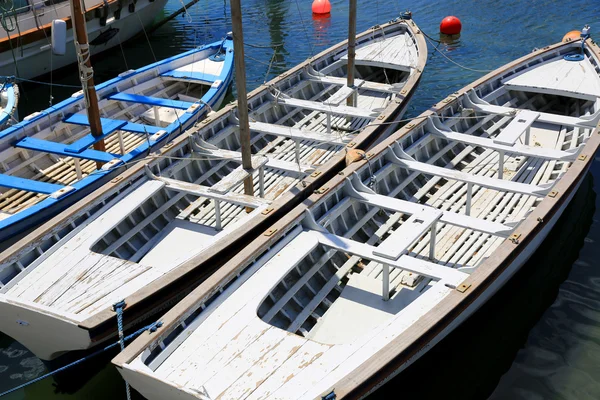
(553, 193)
(515, 238)
(322, 190)
(270, 232)
(351, 144)
(267, 210)
(582, 157)
(117, 179)
(463, 287)
(315, 174)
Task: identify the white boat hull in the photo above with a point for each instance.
(498, 284)
(35, 59)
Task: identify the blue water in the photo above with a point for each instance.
(540, 337)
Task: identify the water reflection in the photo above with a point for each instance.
(277, 11)
(321, 26)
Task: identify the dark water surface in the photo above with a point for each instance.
(539, 338)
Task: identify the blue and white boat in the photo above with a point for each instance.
(47, 161)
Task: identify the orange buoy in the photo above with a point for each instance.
(450, 26)
(572, 35)
(321, 7)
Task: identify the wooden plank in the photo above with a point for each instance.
(151, 101)
(518, 126)
(108, 127)
(238, 175)
(29, 185)
(406, 234)
(341, 95)
(47, 146)
(335, 110)
(203, 191)
(365, 251)
(299, 134)
(529, 151)
(272, 162)
(491, 183)
(581, 122)
(360, 83)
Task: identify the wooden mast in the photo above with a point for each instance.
(242, 101)
(351, 49)
(87, 73)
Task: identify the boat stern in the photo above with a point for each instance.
(45, 334)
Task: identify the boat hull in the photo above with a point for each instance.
(152, 300)
(25, 225)
(51, 347)
(33, 58)
(498, 284)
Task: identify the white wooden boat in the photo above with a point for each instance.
(9, 101)
(48, 161)
(153, 233)
(109, 22)
(388, 257)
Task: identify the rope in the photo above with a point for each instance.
(9, 22)
(118, 308)
(312, 50)
(454, 62)
(152, 328)
(85, 73)
(263, 47)
(37, 82)
(146, 34)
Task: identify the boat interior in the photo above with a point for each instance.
(377, 252)
(193, 195)
(46, 156)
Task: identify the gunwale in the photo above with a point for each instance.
(383, 363)
(101, 325)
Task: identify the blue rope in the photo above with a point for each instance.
(118, 308)
(152, 328)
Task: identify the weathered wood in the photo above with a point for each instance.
(354, 368)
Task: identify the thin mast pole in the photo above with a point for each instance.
(240, 84)
(86, 74)
(351, 48)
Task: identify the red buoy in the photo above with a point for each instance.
(450, 26)
(321, 7)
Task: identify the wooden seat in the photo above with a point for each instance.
(519, 125)
(472, 100)
(405, 161)
(298, 134)
(437, 128)
(152, 101)
(48, 146)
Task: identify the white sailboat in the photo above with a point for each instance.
(25, 36)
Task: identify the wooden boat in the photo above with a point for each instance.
(151, 234)
(391, 255)
(9, 100)
(47, 162)
(29, 24)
